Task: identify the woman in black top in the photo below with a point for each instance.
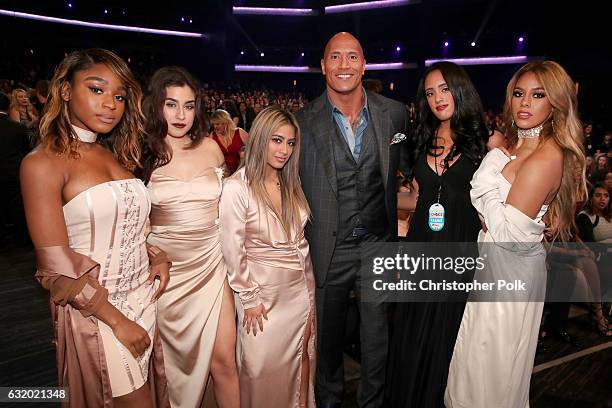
(451, 134)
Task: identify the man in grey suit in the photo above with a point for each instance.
(348, 164)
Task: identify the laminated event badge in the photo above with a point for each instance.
(436, 217)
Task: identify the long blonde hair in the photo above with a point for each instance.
(56, 132)
(23, 110)
(223, 116)
(565, 128)
(293, 199)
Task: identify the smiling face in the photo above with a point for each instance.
(96, 99)
(439, 97)
(179, 110)
(343, 64)
(219, 128)
(530, 104)
(280, 146)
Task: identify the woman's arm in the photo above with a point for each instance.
(232, 219)
(14, 114)
(536, 180)
(243, 135)
(513, 221)
(42, 183)
(407, 197)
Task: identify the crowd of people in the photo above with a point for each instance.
(187, 233)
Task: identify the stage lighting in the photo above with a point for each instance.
(398, 48)
(446, 43)
(514, 59)
(17, 14)
(241, 52)
(302, 54)
(521, 39)
(262, 54)
(473, 44)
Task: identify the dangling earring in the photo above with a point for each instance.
(552, 123)
(513, 124)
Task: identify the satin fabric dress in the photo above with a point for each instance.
(267, 266)
(106, 223)
(185, 224)
(495, 348)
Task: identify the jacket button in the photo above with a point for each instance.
(334, 233)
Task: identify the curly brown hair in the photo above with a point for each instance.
(56, 132)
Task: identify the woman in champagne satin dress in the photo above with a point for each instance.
(87, 215)
(263, 211)
(183, 171)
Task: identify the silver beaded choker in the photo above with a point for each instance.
(530, 133)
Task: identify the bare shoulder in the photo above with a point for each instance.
(544, 165)
(243, 134)
(42, 165)
(548, 153)
(210, 147)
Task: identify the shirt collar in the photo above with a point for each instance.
(365, 111)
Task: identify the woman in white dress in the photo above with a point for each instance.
(513, 190)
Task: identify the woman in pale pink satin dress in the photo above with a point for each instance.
(86, 214)
(263, 211)
(196, 315)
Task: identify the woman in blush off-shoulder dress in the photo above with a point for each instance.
(87, 214)
(518, 193)
(263, 212)
(182, 169)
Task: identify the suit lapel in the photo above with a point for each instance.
(322, 130)
(381, 126)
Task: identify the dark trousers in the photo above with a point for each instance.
(11, 212)
(332, 301)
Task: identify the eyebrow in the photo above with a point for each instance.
(336, 52)
(95, 78)
(282, 137)
(539, 88)
(439, 86)
(105, 82)
(176, 100)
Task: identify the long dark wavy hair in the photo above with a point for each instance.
(469, 130)
(156, 152)
(56, 132)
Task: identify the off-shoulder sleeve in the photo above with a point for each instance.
(71, 278)
(232, 219)
(505, 223)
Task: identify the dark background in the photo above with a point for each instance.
(575, 34)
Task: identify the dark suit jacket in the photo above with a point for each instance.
(14, 145)
(318, 171)
(250, 116)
